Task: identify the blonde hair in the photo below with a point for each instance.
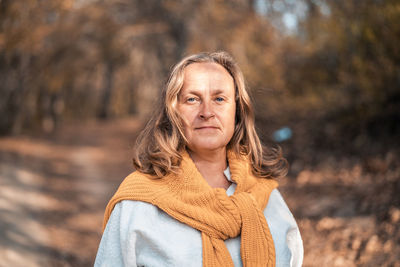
(158, 145)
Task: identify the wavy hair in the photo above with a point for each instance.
(159, 143)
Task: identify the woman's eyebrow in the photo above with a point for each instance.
(192, 92)
(217, 91)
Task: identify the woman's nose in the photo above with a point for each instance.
(206, 111)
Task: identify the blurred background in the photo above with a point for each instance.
(79, 78)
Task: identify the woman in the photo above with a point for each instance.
(204, 190)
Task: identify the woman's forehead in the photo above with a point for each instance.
(205, 66)
(199, 75)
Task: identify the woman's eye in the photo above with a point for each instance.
(191, 99)
(219, 99)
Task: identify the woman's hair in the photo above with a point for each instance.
(158, 145)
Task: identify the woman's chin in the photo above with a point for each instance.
(204, 147)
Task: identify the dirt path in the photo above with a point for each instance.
(53, 192)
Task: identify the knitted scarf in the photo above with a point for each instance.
(188, 198)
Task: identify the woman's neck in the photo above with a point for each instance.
(211, 165)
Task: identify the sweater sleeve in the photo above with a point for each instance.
(114, 244)
(285, 232)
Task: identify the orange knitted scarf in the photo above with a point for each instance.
(188, 198)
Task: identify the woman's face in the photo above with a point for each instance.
(207, 106)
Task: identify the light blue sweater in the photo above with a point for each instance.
(140, 234)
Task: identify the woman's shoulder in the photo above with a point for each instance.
(149, 220)
(137, 174)
(135, 207)
(132, 213)
(138, 180)
(277, 205)
(276, 198)
(284, 229)
(140, 212)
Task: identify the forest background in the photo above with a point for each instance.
(79, 78)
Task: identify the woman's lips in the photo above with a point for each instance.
(206, 128)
